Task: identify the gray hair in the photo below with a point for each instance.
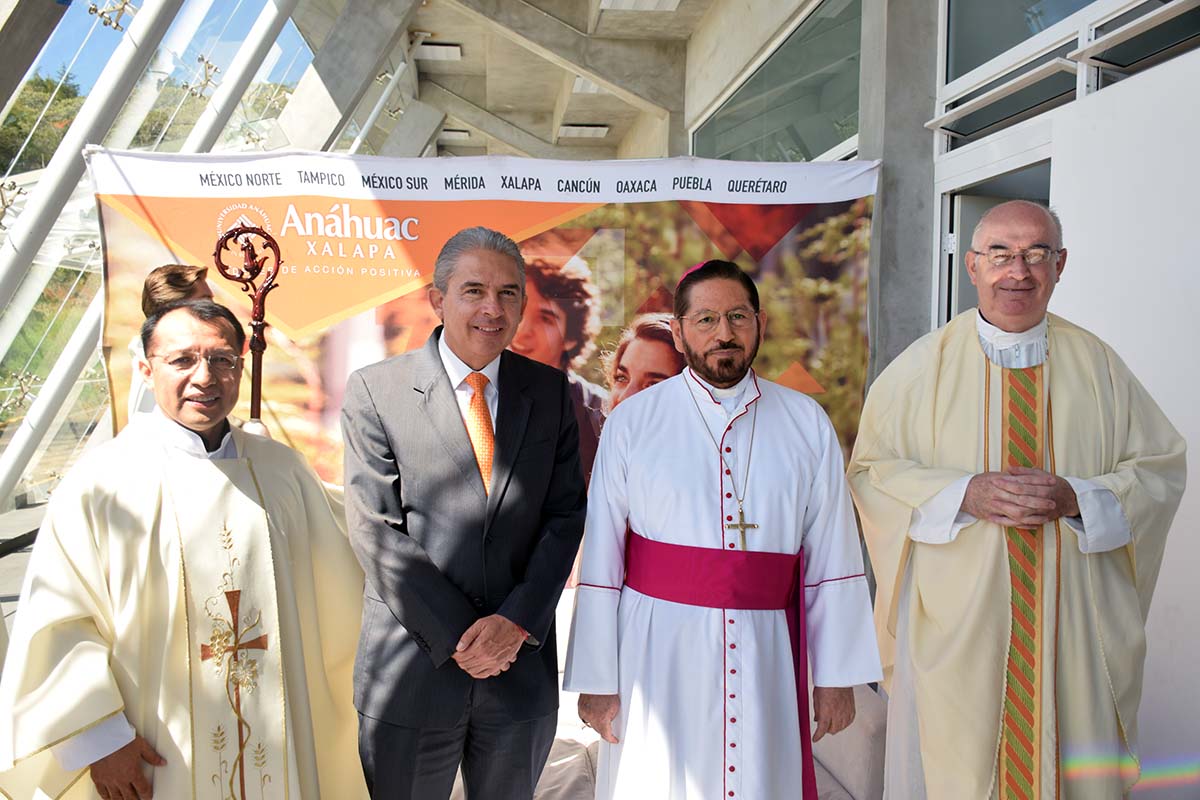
(468, 239)
(996, 209)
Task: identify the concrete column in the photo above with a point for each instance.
(896, 97)
(95, 116)
(241, 72)
(414, 131)
(25, 26)
(365, 33)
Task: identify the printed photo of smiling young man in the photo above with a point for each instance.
(559, 328)
(465, 505)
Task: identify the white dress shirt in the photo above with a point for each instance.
(458, 372)
(1101, 525)
(111, 734)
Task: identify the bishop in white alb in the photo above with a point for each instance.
(709, 702)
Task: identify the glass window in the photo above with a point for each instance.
(254, 119)
(1033, 99)
(190, 62)
(84, 413)
(980, 30)
(799, 104)
(40, 111)
(1171, 38)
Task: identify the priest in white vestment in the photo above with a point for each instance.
(189, 616)
(1015, 484)
(721, 562)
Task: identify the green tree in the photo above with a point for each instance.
(37, 92)
(169, 121)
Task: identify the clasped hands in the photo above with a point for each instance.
(1019, 497)
(489, 646)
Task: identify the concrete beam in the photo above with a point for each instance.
(501, 129)
(25, 25)
(365, 33)
(561, 104)
(593, 17)
(414, 131)
(647, 138)
(648, 75)
(896, 86)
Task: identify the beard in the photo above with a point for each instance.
(726, 370)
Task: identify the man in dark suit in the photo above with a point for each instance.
(466, 529)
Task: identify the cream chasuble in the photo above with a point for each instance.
(237, 696)
(1021, 653)
(214, 603)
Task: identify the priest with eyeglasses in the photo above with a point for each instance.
(189, 616)
(721, 567)
(1015, 484)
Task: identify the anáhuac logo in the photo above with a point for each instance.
(324, 233)
(240, 215)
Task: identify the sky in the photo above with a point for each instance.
(213, 28)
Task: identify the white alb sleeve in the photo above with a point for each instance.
(1101, 525)
(592, 657)
(939, 519)
(89, 746)
(837, 603)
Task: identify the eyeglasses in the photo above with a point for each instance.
(1031, 256)
(186, 363)
(707, 321)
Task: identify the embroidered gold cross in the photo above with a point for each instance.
(232, 645)
(741, 526)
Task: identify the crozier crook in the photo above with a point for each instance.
(248, 276)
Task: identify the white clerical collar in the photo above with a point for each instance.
(1013, 350)
(729, 398)
(176, 437)
(458, 370)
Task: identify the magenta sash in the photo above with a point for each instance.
(711, 578)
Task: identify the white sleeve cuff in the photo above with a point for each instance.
(939, 519)
(591, 666)
(842, 647)
(87, 747)
(1101, 525)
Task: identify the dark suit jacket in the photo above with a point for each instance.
(439, 552)
(589, 400)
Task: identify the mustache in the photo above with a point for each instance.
(731, 345)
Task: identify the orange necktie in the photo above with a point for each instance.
(479, 428)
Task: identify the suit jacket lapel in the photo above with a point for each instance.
(442, 410)
(512, 418)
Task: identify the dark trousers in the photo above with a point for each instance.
(501, 759)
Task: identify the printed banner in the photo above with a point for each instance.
(605, 243)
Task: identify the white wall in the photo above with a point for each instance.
(1125, 176)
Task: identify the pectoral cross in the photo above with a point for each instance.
(741, 526)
